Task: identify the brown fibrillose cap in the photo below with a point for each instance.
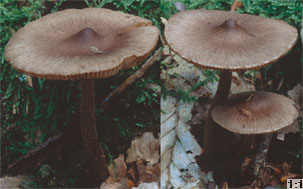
(255, 112)
(87, 43)
(228, 41)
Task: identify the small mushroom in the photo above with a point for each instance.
(255, 112)
(83, 44)
(227, 41)
(251, 113)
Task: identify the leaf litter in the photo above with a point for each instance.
(141, 167)
(296, 95)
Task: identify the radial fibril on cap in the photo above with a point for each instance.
(228, 41)
(75, 44)
(255, 112)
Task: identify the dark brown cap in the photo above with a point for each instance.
(255, 112)
(87, 43)
(228, 41)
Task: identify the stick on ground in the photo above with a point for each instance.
(129, 81)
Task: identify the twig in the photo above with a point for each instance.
(234, 6)
(129, 81)
(261, 153)
(48, 148)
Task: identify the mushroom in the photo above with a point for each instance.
(83, 44)
(227, 41)
(255, 112)
(251, 113)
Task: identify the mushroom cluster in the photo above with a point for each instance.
(228, 41)
(83, 44)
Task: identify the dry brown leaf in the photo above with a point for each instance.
(236, 5)
(296, 95)
(130, 183)
(259, 77)
(119, 184)
(133, 172)
(290, 176)
(145, 147)
(120, 167)
(145, 151)
(29, 81)
(276, 170)
(225, 185)
(152, 185)
(293, 128)
(238, 85)
(286, 168)
(246, 162)
(148, 173)
(15, 182)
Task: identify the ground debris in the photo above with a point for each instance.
(141, 167)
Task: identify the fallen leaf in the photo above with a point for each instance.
(238, 85)
(290, 176)
(130, 183)
(20, 181)
(296, 95)
(119, 184)
(286, 168)
(29, 81)
(145, 147)
(236, 4)
(118, 168)
(246, 162)
(148, 173)
(276, 170)
(152, 185)
(133, 172)
(225, 185)
(259, 77)
(178, 147)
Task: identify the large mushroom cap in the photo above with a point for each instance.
(255, 112)
(227, 40)
(87, 43)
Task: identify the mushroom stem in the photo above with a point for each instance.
(221, 95)
(211, 130)
(98, 169)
